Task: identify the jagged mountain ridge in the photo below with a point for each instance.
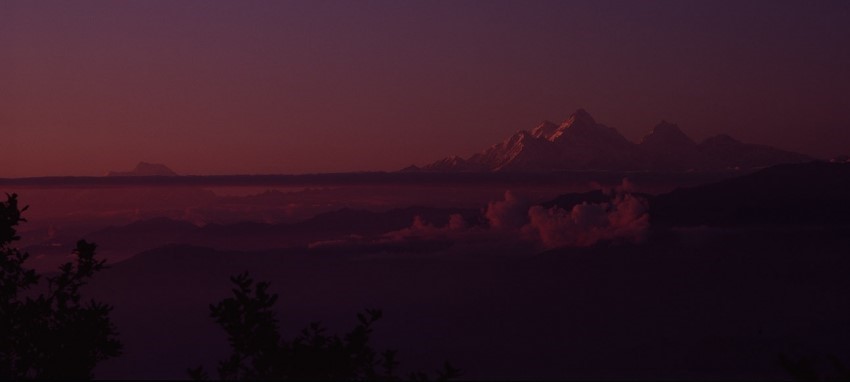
(582, 144)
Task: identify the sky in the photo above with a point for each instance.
(264, 87)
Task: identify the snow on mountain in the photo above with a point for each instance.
(580, 123)
(544, 130)
(580, 143)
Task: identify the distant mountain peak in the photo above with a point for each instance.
(666, 134)
(579, 123)
(145, 169)
(579, 118)
(583, 116)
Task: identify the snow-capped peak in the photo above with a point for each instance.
(579, 143)
(544, 130)
(581, 116)
(581, 127)
(579, 120)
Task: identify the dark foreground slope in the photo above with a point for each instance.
(694, 305)
(733, 275)
(815, 193)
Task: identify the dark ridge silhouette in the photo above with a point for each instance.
(154, 226)
(840, 159)
(715, 307)
(791, 194)
(568, 201)
(498, 179)
(54, 334)
(145, 169)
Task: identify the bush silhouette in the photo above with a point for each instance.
(808, 369)
(259, 352)
(54, 334)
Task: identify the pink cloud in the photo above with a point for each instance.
(515, 225)
(625, 218)
(509, 214)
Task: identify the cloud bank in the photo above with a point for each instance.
(513, 222)
(625, 219)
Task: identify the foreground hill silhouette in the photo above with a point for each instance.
(582, 144)
(816, 193)
(710, 298)
(720, 306)
(731, 276)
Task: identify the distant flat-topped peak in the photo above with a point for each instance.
(146, 169)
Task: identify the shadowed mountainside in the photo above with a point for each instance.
(721, 301)
(679, 306)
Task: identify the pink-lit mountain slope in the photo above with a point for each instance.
(582, 144)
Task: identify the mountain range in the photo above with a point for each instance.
(582, 144)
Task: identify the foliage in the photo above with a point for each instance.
(807, 369)
(259, 352)
(54, 334)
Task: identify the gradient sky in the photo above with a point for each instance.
(214, 87)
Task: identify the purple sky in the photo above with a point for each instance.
(211, 87)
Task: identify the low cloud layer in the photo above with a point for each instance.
(625, 218)
(508, 214)
(513, 222)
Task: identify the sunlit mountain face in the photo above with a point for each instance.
(579, 143)
(254, 190)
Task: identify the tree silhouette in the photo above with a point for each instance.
(807, 369)
(259, 352)
(54, 334)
